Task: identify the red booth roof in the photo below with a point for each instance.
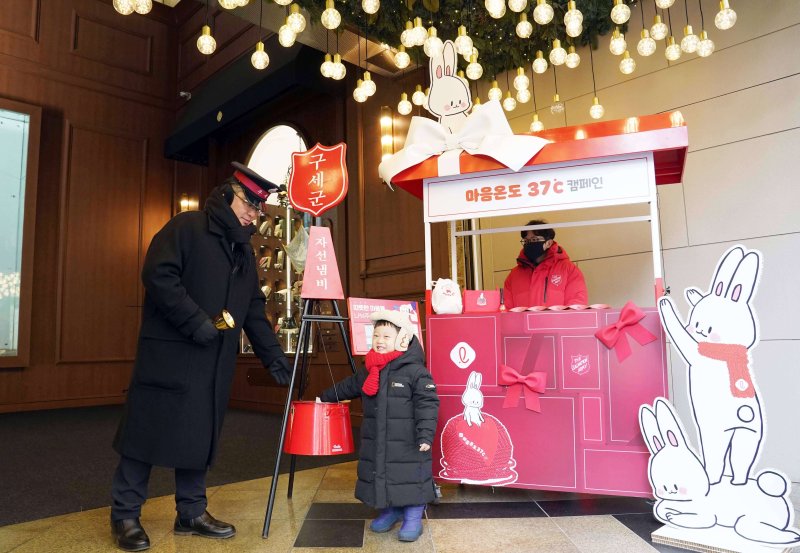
(664, 134)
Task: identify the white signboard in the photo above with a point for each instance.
(587, 183)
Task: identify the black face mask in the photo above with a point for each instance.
(533, 250)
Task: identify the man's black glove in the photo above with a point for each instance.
(281, 371)
(205, 333)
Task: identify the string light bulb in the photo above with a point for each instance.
(206, 43)
(404, 107)
(659, 29)
(296, 21)
(689, 41)
(617, 44)
(539, 64)
(673, 51)
(327, 67)
(523, 96)
(573, 19)
(664, 4)
(536, 125)
(620, 13)
(407, 36)
(543, 12)
(627, 64)
(726, 17)
(521, 81)
(463, 42)
(331, 18)
(401, 58)
(125, 7)
(557, 105)
(286, 36)
(339, 69)
(517, 6)
(228, 4)
(142, 7)
(646, 46)
(558, 55)
(283, 2)
(509, 103)
(433, 45)
(418, 98)
(573, 59)
(496, 8)
(524, 28)
(575, 31)
(495, 93)
(420, 33)
(474, 69)
(706, 46)
(467, 58)
(597, 110)
(370, 6)
(368, 84)
(359, 94)
(260, 59)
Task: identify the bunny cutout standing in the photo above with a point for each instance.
(472, 399)
(715, 342)
(449, 98)
(756, 510)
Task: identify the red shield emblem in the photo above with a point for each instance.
(319, 178)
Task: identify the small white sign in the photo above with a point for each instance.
(462, 355)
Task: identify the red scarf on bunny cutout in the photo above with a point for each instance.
(375, 362)
(738, 362)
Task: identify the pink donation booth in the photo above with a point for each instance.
(533, 398)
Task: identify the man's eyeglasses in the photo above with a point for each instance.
(534, 240)
(250, 204)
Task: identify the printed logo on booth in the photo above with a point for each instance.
(555, 280)
(580, 364)
(462, 355)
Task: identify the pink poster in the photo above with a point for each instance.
(361, 325)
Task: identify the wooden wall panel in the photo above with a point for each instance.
(22, 19)
(90, 38)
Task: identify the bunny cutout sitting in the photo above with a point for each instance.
(449, 98)
(472, 399)
(756, 510)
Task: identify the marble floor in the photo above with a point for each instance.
(322, 515)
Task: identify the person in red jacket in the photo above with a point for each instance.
(544, 274)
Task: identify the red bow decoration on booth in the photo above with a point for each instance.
(531, 384)
(613, 336)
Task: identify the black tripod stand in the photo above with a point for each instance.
(301, 361)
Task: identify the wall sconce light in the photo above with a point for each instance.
(387, 132)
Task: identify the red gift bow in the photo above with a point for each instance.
(532, 383)
(613, 336)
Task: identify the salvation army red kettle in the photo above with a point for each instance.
(318, 429)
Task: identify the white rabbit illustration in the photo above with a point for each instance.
(472, 399)
(757, 510)
(715, 343)
(449, 98)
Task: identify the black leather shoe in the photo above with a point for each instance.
(205, 525)
(129, 535)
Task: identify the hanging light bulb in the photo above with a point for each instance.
(557, 106)
(142, 7)
(296, 21)
(659, 29)
(370, 6)
(726, 17)
(620, 13)
(469, 57)
(543, 12)
(420, 33)
(476, 104)
(243, 3)
(689, 41)
(539, 64)
(407, 36)
(627, 64)
(521, 81)
(673, 51)
(664, 4)
(574, 31)
(404, 107)
(125, 7)
(494, 5)
(573, 59)
(524, 27)
(401, 58)
(286, 36)
(501, 11)
(523, 96)
(331, 18)
(368, 84)
(433, 45)
(339, 70)
(536, 125)
(283, 2)
(260, 59)
(474, 69)
(509, 103)
(597, 110)
(495, 93)
(228, 4)
(706, 46)
(463, 42)
(418, 98)
(558, 55)
(359, 94)
(206, 43)
(573, 18)
(617, 44)
(327, 67)
(646, 46)
(517, 5)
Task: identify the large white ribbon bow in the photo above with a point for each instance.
(485, 132)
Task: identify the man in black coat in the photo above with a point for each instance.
(199, 265)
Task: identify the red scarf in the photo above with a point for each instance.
(375, 363)
(738, 362)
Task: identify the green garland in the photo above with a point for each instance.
(496, 40)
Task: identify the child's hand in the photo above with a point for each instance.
(424, 447)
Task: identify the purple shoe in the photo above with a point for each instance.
(387, 518)
(412, 523)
